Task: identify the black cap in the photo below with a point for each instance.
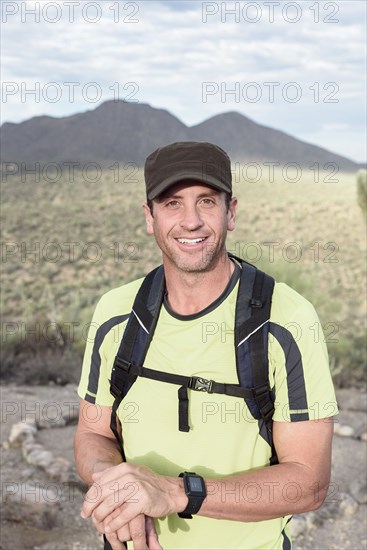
(187, 160)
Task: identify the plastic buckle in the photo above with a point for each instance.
(201, 384)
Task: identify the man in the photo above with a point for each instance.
(189, 210)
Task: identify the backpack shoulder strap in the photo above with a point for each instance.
(136, 339)
(251, 341)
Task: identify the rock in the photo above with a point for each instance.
(311, 518)
(344, 431)
(348, 506)
(70, 412)
(342, 505)
(60, 469)
(21, 432)
(358, 490)
(36, 454)
(28, 502)
(364, 436)
(27, 473)
(30, 446)
(55, 422)
(352, 400)
(298, 526)
(40, 458)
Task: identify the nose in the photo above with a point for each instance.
(191, 219)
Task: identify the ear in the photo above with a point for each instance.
(148, 219)
(231, 214)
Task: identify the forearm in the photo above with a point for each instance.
(94, 453)
(263, 494)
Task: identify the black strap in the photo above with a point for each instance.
(137, 337)
(252, 314)
(125, 370)
(107, 545)
(183, 410)
(261, 304)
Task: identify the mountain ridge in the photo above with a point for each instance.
(128, 132)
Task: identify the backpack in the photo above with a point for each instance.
(252, 317)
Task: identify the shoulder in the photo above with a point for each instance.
(118, 301)
(288, 305)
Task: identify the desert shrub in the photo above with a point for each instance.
(348, 361)
(41, 355)
(362, 191)
(66, 292)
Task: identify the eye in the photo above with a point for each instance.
(208, 201)
(172, 204)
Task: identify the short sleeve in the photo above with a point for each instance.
(298, 361)
(102, 343)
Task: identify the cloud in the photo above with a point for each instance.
(168, 53)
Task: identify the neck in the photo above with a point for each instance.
(189, 293)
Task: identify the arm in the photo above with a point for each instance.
(297, 484)
(96, 450)
(95, 446)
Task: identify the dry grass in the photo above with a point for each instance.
(61, 287)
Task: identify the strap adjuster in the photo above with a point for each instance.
(256, 303)
(122, 364)
(260, 391)
(265, 404)
(200, 384)
(120, 369)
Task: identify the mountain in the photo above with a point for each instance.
(128, 132)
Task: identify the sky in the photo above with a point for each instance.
(295, 66)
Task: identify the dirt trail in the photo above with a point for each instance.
(340, 524)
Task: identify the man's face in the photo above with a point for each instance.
(190, 223)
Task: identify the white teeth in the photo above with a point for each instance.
(190, 241)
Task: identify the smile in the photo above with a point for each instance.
(191, 242)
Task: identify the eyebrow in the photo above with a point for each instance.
(178, 196)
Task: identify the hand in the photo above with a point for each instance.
(140, 530)
(134, 490)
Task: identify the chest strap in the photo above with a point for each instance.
(123, 370)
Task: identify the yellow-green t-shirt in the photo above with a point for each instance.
(224, 438)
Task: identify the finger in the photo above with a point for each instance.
(152, 537)
(113, 497)
(115, 543)
(123, 534)
(102, 500)
(92, 499)
(99, 525)
(137, 532)
(128, 512)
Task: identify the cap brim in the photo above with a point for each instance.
(192, 176)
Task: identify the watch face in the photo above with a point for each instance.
(195, 485)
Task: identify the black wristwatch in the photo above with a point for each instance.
(195, 490)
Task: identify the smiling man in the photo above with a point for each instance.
(246, 439)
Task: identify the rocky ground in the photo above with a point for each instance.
(41, 494)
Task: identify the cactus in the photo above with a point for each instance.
(362, 191)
